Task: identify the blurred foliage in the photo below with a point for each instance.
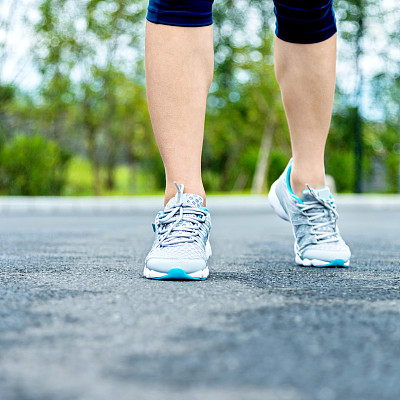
(7, 93)
(91, 104)
(32, 166)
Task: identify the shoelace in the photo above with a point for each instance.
(180, 223)
(325, 216)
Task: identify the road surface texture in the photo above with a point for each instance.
(78, 321)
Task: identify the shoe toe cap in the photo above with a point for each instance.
(164, 265)
(328, 255)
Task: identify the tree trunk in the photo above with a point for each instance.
(132, 185)
(358, 126)
(259, 180)
(110, 166)
(94, 161)
(240, 182)
(398, 171)
(358, 152)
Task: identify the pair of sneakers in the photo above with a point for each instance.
(182, 230)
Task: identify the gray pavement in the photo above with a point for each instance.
(77, 320)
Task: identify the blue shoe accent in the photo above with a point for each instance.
(288, 185)
(338, 262)
(178, 274)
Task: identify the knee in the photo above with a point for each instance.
(180, 12)
(307, 21)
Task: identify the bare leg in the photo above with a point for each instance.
(306, 75)
(179, 70)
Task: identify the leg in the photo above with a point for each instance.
(306, 74)
(305, 55)
(179, 70)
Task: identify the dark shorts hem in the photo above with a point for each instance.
(181, 19)
(306, 38)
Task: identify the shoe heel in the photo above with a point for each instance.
(275, 203)
(208, 250)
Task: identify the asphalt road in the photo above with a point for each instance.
(77, 320)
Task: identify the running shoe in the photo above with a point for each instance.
(318, 241)
(181, 247)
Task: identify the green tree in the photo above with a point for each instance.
(88, 40)
(33, 166)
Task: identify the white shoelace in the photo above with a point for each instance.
(323, 219)
(180, 223)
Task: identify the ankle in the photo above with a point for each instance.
(170, 191)
(300, 179)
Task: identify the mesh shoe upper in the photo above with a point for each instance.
(182, 229)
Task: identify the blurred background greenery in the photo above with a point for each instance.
(73, 112)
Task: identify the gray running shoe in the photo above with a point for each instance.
(181, 247)
(317, 237)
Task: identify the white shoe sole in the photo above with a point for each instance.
(176, 274)
(338, 262)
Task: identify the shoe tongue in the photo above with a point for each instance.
(190, 199)
(323, 193)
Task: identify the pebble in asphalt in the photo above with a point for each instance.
(77, 320)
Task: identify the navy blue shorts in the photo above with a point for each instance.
(297, 21)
